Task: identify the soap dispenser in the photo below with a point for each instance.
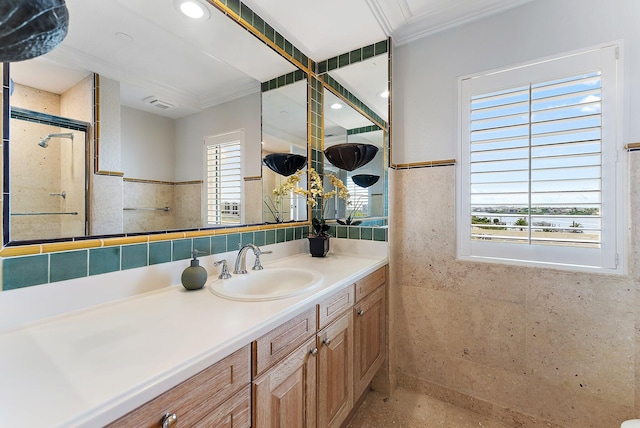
(194, 277)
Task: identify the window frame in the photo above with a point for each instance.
(228, 138)
(610, 257)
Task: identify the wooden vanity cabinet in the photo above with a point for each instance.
(369, 331)
(218, 396)
(308, 372)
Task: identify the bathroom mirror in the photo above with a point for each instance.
(343, 124)
(154, 118)
(284, 130)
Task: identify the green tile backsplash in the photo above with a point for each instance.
(159, 252)
(182, 249)
(134, 256)
(68, 265)
(25, 271)
(18, 272)
(104, 260)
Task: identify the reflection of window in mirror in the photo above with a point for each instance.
(223, 178)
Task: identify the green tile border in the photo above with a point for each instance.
(30, 270)
(353, 57)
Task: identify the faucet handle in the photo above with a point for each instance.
(257, 265)
(224, 273)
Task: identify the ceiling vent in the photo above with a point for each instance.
(156, 102)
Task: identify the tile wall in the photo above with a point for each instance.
(113, 254)
(532, 347)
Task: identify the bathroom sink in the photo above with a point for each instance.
(266, 284)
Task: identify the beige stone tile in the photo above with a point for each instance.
(107, 204)
(581, 335)
(634, 202)
(574, 409)
(480, 330)
(409, 409)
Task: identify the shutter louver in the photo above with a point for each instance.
(223, 183)
(535, 163)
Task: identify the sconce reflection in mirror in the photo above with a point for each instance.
(350, 156)
(365, 180)
(31, 28)
(284, 163)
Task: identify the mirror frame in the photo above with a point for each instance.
(315, 138)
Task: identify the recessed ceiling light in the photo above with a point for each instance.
(336, 106)
(384, 94)
(192, 9)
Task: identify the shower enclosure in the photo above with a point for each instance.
(48, 180)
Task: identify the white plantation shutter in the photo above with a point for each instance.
(538, 162)
(359, 197)
(224, 183)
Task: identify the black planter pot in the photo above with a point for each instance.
(318, 245)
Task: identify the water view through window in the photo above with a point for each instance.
(536, 156)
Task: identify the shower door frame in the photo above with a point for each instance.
(52, 120)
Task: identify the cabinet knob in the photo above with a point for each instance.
(360, 312)
(313, 351)
(170, 420)
(327, 341)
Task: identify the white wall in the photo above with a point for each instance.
(147, 145)
(242, 113)
(426, 72)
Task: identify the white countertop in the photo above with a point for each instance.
(90, 366)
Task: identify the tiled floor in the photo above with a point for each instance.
(411, 410)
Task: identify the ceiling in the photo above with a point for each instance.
(156, 53)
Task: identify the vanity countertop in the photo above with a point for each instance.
(88, 367)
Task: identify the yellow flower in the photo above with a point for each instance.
(315, 190)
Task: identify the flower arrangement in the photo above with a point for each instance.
(279, 192)
(315, 194)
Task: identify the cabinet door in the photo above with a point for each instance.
(285, 395)
(335, 371)
(370, 339)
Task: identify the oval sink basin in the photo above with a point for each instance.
(267, 284)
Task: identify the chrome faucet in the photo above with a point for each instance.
(241, 260)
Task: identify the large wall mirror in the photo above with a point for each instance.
(362, 122)
(284, 150)
(171, 92)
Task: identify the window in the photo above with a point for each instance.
(359, 196)
(224, 179)
(538, 157)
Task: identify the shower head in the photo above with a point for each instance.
(44, 141)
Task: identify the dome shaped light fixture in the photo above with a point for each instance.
(284, 163)
(350, 156)
(31, 28)
(384, 94)
(365, 180)
(336, 106)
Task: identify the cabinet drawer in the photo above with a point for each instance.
(370, 282)
(196, 397)
(274, 345)
(233, 413)
(334, 306)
